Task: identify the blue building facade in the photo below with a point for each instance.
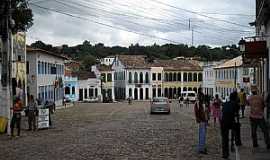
(71, 88)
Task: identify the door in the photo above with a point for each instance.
(80, 94)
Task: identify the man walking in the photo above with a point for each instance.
(242, 100)
(32, 112)
(227, 122)
(256, 103)
(202, 121)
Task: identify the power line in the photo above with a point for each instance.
(200, 14)
(131, 21)
(104, 24)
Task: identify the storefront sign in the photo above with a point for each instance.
(43, 118)
(256, 49)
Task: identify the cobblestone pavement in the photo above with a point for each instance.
(115, 131)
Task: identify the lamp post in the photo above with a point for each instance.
(242, 47)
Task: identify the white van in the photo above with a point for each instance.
(190, 95)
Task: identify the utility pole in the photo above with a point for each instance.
(6, 62)
(192, 32)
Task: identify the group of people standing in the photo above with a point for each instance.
(227, 114)
(31, 111)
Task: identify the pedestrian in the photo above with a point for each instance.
(242, 100)
(201, 120)
(32, 113)
(181, 101)
(257, 105)
(227, 124)
(216, 109)
(16, 117)
(187, 102)
(207, 108)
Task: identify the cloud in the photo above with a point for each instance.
(112, 21)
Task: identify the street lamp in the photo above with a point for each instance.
(242, 46)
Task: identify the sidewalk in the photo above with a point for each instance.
(246, 151)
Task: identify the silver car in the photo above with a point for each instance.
(160, 105)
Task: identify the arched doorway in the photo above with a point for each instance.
(195, 89)
(170, 93)
(141, 93)
(179, 92)
(135, 93)
(166, 92)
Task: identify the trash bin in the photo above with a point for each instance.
(3, 124)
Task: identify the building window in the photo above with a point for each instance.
(179, 77)
(170, 77)
(129, 77)
(200, 77)
(91, 92)
(154, 76)
(166, 77)
(73, 90)
(27, 67)
(195, 77)
(67, 90)
(190, 77)
(154, 92)
(103, 77)
(159, 76)
(159, 92)
(130, 92)
(109, 77)
(141, 77)
(135, 77)
(85, 93)
(146, 77)
(96, 92)
(146, 93)
(185, 77)
(174, 77)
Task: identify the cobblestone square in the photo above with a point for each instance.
(116, 131)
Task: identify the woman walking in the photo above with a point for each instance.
(216, 108)
(200, 116)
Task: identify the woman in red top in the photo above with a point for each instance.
(16, 118)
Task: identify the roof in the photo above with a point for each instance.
(30, 49)
(177, 65)
(84, 75)
(236, 62)
(134, 61)
(104, 68)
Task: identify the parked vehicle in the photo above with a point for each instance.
(160, 105)
(189, 96)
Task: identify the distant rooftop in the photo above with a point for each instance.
(30, 49)
(236, 62)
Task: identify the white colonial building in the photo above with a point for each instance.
(105, 74)
(157, 81)
(45, 71)
(132, 77)
(209, 77)
(89, 87)
(232, 75)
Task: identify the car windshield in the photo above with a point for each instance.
(191, 94)
(159, 100)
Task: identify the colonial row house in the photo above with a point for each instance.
(45, 75)
(106, 74)
(140, 78)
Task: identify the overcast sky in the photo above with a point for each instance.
(122, 22)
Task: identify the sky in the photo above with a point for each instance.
(125, 22)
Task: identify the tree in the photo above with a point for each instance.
(22, 15)
(87, 62)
